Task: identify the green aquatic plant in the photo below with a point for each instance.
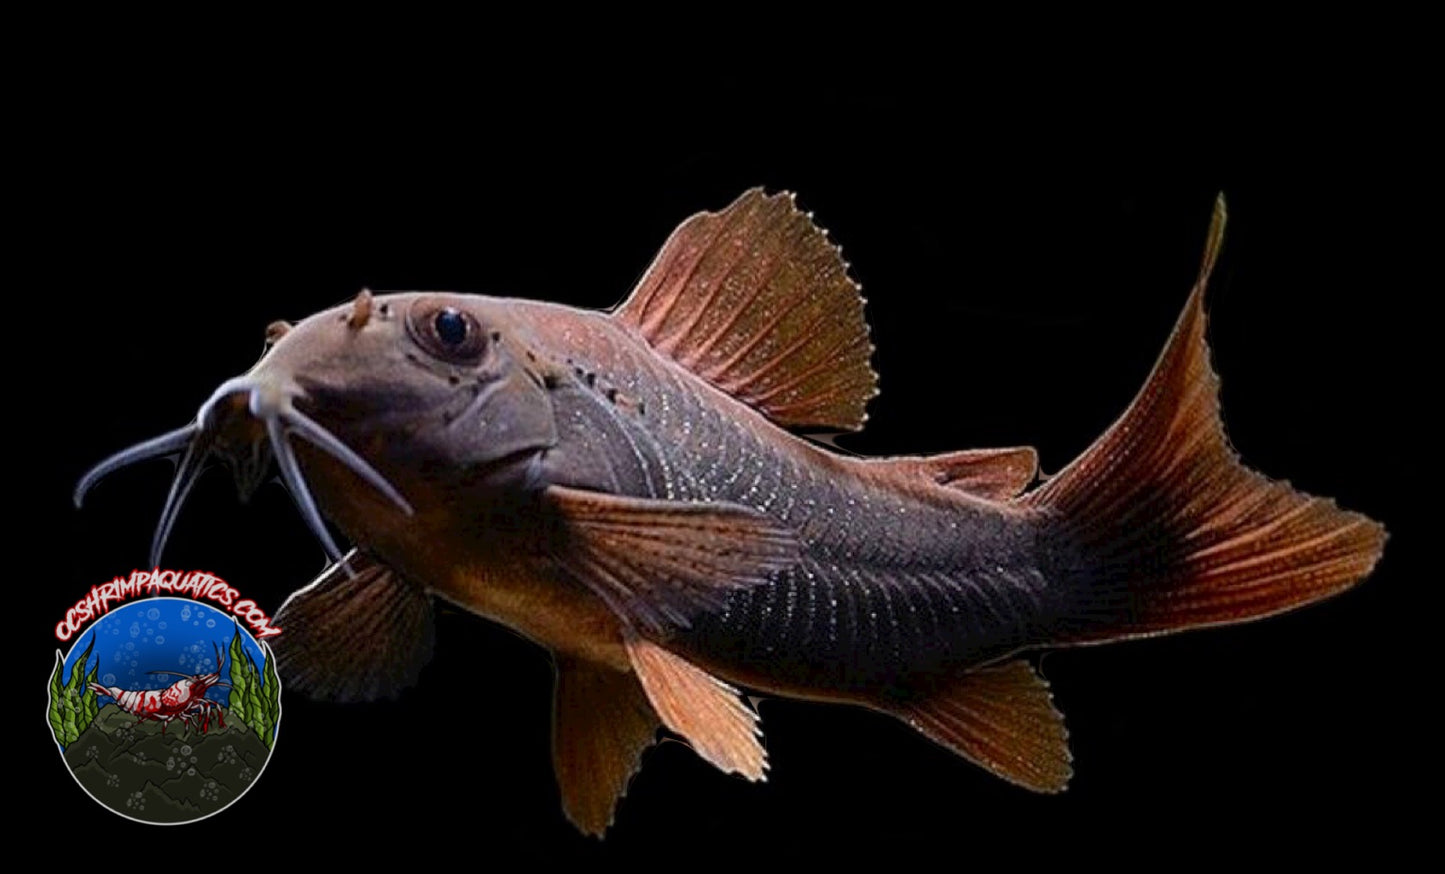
(73, 705)
(255, 691)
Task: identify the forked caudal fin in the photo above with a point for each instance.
(1169, 531)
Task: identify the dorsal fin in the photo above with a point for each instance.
(758, 302)
(998, 474)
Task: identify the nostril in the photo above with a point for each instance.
(360, 310)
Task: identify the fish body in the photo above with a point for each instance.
(629, 490)
(853, 613)
(639, 425)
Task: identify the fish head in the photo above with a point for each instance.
(419, 380)
(381, 408)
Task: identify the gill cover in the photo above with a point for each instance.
(487, 390)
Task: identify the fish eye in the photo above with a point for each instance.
(451, 327)
(446, 331)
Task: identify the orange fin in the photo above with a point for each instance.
(1173, 532)
(656, 563)
(358, 638)
(601, 725)
(1003, 719)
(707, 712)
(758, 302)
(997, 474)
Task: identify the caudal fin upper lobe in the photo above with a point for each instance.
(1161, 528)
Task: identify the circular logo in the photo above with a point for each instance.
(166, 710)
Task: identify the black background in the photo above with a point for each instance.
(1024, 254)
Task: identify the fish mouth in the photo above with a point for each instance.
(246, 422)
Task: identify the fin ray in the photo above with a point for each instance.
(710, 714)
(602, 723)
(656, 563)
(354, 638)
(758, 302)
(1172, 530)
(1001, 718)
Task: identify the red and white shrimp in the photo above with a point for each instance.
(185, 699)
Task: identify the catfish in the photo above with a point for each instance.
(635, 491)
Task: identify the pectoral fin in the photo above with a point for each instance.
(601, 725)
(1001, 718)
(707, 712)
(354, 638)
(656, 563)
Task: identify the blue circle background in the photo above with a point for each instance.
(161, 634)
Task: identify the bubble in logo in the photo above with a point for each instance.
(166, 710)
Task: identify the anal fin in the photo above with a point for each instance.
(707, 712)
(601, 725)
(354, 637)
(1001, 718)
